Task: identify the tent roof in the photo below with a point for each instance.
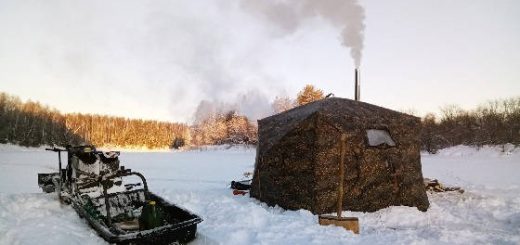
(272, 129)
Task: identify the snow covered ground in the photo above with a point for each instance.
(487, 213)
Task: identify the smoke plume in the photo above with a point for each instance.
(348, 15)
(158, 59)
(253, 104)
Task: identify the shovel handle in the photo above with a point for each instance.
(341, 173)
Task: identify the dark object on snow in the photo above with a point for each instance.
(92, 183)
(178, 143)
(241, 185)
(45, 181)
(299, 150)
(433, 185)
(239, 192)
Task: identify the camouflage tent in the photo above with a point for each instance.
(297, 164)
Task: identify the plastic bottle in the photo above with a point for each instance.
(151, 216)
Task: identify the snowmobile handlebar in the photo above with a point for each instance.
(55, 149)
(123, 173)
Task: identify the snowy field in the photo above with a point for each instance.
(487, 213)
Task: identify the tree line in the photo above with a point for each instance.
(224, 128)
(103, 130)
(494, 123)
(33, 124)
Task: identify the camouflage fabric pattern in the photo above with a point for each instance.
(298, 158)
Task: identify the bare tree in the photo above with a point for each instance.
(281, 104)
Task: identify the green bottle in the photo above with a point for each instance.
(151, 216)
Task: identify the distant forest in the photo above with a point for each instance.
(33, 124)
(494, 123)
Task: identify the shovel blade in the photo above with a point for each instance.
(349, 223)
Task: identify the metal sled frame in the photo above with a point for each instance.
(182, 230)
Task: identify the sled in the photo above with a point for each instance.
(92, 183)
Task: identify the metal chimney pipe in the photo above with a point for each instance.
(356, 85)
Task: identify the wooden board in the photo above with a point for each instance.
(349, 223)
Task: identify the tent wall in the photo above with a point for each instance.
(375, 177)
(284, 175)
(298, 158)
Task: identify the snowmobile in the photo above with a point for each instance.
(92, 182)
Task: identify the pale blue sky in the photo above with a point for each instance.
(159, 59)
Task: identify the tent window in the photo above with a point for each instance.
(378, 137)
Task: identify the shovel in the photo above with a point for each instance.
(349, 223)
